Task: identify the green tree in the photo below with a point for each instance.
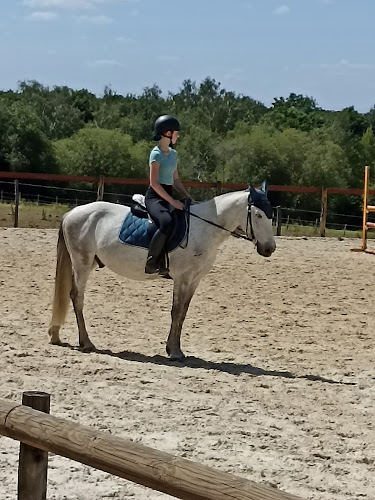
(256, 157)
(325, 166)
(368, 146)
(346, 130)
(296, 111)
(26, 147)
(198, 156)
(95, 152)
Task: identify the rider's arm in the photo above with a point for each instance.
(177, 184)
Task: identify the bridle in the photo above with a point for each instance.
(262, 203)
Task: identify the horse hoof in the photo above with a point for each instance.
(55, 342)
(88, 348)
(177, 357)
(53, 332)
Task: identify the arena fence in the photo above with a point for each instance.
(40, 433)
(215, 187)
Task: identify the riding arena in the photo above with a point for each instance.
(277, 385)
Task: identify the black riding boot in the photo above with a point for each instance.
(155, 259)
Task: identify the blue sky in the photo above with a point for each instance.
(260, 48)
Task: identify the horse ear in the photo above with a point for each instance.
(263, 187)
(252, 190)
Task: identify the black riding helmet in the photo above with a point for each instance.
(163, 124)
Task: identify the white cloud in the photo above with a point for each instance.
(71, 4)
(95, 19)
(42, 16)
(345, 64)
(169, 59)
(105, 62)
(125, 39)
(283, 9)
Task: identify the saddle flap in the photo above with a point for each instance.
(138, 231)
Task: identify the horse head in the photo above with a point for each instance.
(259, 221)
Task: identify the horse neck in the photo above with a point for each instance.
(226, 210)
(231, 208)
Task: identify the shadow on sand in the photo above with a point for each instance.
(231, 368)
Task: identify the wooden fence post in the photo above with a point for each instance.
(278, 220)
(100, 194)
(323, 213)
(16, 201)
(218, 188)
(33, 462)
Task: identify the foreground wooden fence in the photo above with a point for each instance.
(143, 465)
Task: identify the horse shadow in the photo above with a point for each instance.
(225, 367)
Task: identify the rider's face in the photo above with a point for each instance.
(174, 136)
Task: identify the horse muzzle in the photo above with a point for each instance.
(266, 250)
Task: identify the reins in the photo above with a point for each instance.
(223, 228)
(236, 235)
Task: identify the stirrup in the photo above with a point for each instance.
(163, 271)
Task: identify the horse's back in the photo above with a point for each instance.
(99, 219)
(95, 211)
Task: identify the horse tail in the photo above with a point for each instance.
(63, 282)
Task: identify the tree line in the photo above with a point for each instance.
(225, 136)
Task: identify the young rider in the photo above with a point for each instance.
(159, 200)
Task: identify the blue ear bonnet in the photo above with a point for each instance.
(259, 199)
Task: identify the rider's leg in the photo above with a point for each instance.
(155, 251)
(155, 259)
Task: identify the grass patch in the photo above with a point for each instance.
(297, 230)
(33, 215)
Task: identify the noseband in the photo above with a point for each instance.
(249, 222)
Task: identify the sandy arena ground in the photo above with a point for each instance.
(278, 386)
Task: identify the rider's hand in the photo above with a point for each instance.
(177, 204)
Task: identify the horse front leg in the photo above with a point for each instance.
(182, 295)
(77, 295)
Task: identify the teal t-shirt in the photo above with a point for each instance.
(168, 164)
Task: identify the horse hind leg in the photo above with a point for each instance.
(80, 277)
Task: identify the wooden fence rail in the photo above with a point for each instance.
(143, 465)
(195, 184)
(218, 185)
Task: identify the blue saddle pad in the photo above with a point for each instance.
(138, 232)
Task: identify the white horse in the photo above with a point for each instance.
(89, 235)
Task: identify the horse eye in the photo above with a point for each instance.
(259, 215)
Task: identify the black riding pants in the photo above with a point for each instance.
(160, 210)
